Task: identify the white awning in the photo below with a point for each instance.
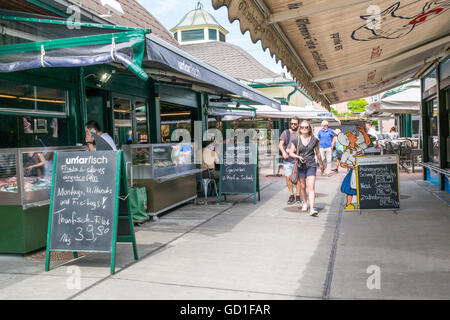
(405, 101)
(287, 112)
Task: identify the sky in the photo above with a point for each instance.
(170, 12)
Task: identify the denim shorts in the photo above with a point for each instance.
(287, 168)
(304, 172)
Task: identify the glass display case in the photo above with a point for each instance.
(167, 171)
(159, 161)
(26, 175)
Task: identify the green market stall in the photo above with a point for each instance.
(42, 106)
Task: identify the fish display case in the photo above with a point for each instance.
(167, 171)
(25, 187)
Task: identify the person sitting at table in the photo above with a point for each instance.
(210, 158)
(393, 134)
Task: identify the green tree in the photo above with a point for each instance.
(335, 112)
(357, 106)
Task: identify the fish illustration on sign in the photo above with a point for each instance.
(394, 22)
(354, 142)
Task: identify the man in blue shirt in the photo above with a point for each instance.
(326, 137)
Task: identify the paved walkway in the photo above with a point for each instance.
(238, 250)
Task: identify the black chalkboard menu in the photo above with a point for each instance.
(377, 182)
(239, 170)
(84, 200)
(84, 207)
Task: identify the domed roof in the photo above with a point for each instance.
(197, 17)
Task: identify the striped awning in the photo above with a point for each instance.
(340, 50)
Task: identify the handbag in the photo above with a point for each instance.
(294, 175)
(138, 203)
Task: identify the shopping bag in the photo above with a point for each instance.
(138, 203)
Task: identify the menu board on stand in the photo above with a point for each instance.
(239, 170)
(377, 182)
(89, 207)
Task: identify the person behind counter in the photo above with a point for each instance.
(93, 128)
(34, 165)
(210, 158)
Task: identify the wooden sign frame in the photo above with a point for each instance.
(121, 181)
(256, 188)
(357, 179)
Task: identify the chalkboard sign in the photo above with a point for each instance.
(377, 182)
(84, 203)
(239, 170)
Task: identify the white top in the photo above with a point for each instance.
(372, 132)
(110, 141)
(393, 135)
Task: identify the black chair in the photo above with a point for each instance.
(389, 148)
(405, 155)
(206, 181)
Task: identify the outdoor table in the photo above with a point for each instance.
(275, 165)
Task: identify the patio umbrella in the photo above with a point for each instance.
(405, 101)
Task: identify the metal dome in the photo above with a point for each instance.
(197, 17)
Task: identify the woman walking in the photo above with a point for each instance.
(303, 148)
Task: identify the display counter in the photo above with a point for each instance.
(167, 171)
(25, 186)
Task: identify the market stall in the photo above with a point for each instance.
(25, 182)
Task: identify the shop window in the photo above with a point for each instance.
(212, 34)
(447, 102)
(23, 98)
(415, 128)
(221, 37)
(123, 132)
(95, 107)
(429, 84)
(33, 131)
(175, 117)
(445, 69)
(141, 121)
(192, 35)
(433, 136)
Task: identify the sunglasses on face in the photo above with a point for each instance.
(294, 124)
(303, 127)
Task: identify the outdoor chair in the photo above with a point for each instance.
(206, 183)
(389, 148)
(405, 155)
